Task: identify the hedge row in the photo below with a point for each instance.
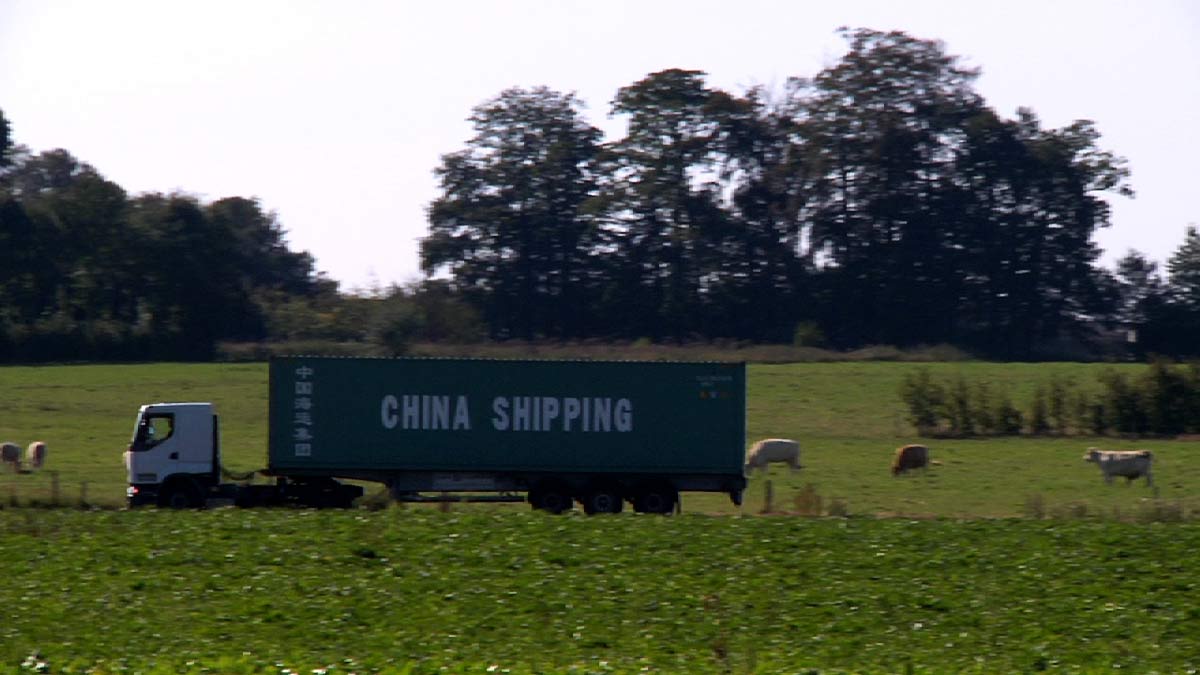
(1163, 400)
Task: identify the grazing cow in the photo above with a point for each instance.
(10, 455)
(1128, 464)
(910, 457)
(773, 450)
(35, 455)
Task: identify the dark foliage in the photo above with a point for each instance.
(883, 202)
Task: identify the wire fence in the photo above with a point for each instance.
(48, 490)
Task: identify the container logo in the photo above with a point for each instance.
(303, 387)
(429, 412)
(425, 412)
(715, 386)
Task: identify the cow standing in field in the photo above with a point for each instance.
(1129, 464)
(773, 450)
(35, 455)
(10, 456)
(909, 458)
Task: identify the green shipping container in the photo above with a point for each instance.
(372, 418)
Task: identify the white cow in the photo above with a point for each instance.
(773, 450)
(10, 455)
(1128, 464)
(35, 455)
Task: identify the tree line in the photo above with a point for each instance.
(880, 202)
(90, 272)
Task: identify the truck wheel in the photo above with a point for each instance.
(552, 498)
(603, 499)
(179, 495)
(656, 499)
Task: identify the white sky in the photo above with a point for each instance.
(334, 114)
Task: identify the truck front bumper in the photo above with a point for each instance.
(141, 495)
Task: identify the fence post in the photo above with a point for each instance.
(768, 497)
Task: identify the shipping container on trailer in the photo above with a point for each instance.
(507, 425)
(600, 433)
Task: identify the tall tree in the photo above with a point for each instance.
(1184, 269)
(936, 220)
(759, 284)
(663, 199)
(67, 238)
(1173, 326)
(1140, 288)
(261, 252)
(1033, 205)
(5, 140)
(878, 126)
(193, 292)
(1140, 305)
(509, 225)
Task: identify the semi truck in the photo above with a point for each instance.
(601, 434)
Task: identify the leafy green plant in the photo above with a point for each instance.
(1007, 420)
(958, 409)
(1058, 404)
(1039, 413)
(808, 502)
(419, 591)
(924, 399)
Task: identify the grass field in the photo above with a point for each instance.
(1012, 555)
(848, 418)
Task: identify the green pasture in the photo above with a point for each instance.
(848, 418)
(406, 590)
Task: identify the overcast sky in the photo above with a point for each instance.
(334, 114)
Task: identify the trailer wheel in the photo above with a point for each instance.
(656, 498)
(180, 494)
(551, 497)
(603, 499)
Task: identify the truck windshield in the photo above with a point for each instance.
(152, 430)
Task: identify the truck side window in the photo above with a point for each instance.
(154, 430)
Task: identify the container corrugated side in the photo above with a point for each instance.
(496, 415)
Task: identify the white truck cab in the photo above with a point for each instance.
(174, 458)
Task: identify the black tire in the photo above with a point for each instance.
(324, 493)
(180, 495)
(552, 498)
(656, 498)
(603, 499)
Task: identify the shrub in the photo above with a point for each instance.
(1122, 408)
(1159, 511)
(1039, 419)
(1058, 405)
(1164, 399)
(983, 408)
(958, 411)
(808, 502)
(1035, 506)
(1165, 394)
(1007, 420)
(924, 398)
(399, 325)
(808, 334)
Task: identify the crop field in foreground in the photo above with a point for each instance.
(405, 590)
